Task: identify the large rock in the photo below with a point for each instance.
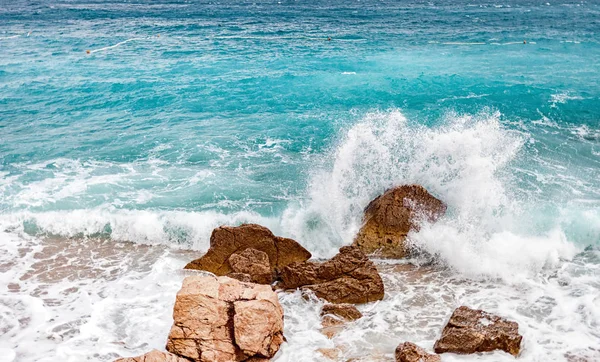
(470, 331)
(252, 263)
(391, 216)
(226, 241)
(154, 356)
(349, 277)
(410, 352)
(221, 319)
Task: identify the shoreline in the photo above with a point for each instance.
(136, 284)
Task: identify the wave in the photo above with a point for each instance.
(468, 161)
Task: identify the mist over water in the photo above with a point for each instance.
(188, 115)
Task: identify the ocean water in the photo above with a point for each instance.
(130, 129)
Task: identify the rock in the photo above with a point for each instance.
(470, 331)
(349, 277)
(346, 312)
(226, 241)
(242, 277)
(335, 316)
(221, 319)
(389, 218)
(154, 356)
(410, 352)
(330, 353)
(253, 263)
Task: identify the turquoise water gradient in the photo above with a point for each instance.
(229, 105)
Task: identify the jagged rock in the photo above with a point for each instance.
(389, 218)
(154, 356)
(242, 277)
(334, 316)
(410, 352)
(253, 263)
(226, 241)
(349, 277)
(470, 330)
(221, 319)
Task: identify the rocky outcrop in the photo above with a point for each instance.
(226, 241)
(154, 356)
(220, 319)
(410, 352)
(334, 316)
(470, 331)
(391, 216)
(349, 277)
(252, 263)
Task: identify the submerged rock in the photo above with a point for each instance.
(349, 277)
(334, 316)
(347, 312)
(390, 217)
(470, 331)
(226, 241)
(410, 352)
(154, 356)
(221, 319)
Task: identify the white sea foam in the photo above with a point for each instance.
(80, 296)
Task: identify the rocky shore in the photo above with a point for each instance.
(234, 314)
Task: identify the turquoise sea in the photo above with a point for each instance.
(153, 122)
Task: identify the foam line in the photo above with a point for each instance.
(461, 43)
(10, 37)
(116, 45)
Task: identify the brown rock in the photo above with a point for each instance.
(226, 241)
(330, 353)
(410, 352)
(335, 316)
(469, 331)
(253, 263)
(389, 218)
(221, 319)
(154, 356)
(347, 312)
(349, 277)
(242, 277)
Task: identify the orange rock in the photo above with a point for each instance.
(470, 331)
(220, 319)
(410, 352)
(391, 216)
(154, 356)
(349, 277)
(226, 241)
(253, 263)
(334, 316)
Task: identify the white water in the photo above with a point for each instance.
(91, 299)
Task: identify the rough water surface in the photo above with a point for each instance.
(117, 163)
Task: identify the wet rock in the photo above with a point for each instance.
(470, 331)
(410, 352)
(340, 312)
(226, 241)
(154, 356)
(253, 263)
(332, 354)
(334, 316)
(222, 319)
(349, 277)
(390, 217)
